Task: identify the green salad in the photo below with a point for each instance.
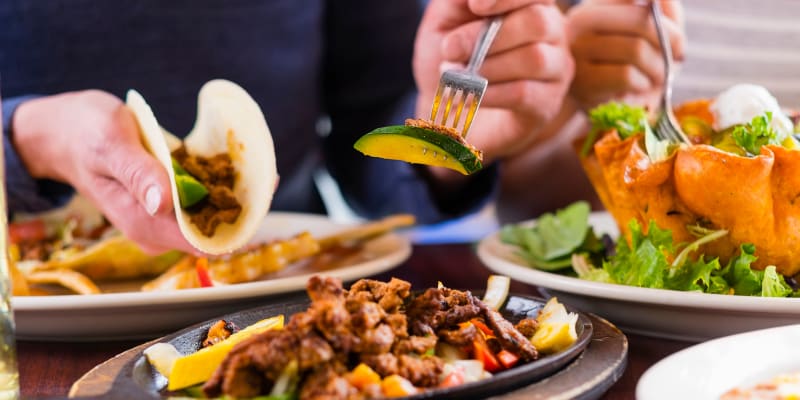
(564, 242)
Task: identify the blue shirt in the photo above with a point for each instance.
(346, 62)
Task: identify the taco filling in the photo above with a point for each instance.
(224, 178)
(216, 202)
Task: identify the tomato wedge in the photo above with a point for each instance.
(201, 266)
(27, 231)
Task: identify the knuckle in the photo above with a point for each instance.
(628, 75)
(639, 49)
(132, 175)
(537, 56)
(536, 19)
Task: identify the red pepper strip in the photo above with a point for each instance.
(485, 356)
(201, 266)
(507, 358)
(483, 328)
(27, 231)
(455, 378)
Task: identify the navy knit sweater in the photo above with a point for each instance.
(323, 72)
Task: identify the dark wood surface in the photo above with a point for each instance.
(49, 369)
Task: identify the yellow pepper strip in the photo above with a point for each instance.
(397, 386)
(363, 376)
(197, 367)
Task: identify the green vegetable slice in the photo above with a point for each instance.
(419, 146)
(190, 190)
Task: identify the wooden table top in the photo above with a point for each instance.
(48, 369)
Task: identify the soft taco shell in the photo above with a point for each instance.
(228, 121)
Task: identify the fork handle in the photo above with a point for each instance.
(666, 47)
(485, 40)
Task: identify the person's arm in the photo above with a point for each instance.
(368, 84)
(25, 193)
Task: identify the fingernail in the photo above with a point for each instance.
(152, 199)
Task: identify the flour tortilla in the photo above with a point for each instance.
(230, 121)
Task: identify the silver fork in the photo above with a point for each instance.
(667, 126)
(467, 84)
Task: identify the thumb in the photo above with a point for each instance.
(141, 174)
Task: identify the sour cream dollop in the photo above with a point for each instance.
(740, 103)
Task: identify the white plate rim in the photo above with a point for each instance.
(651, 384)
(499, 257)
(229, 292)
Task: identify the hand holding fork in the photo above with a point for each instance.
(528, 69)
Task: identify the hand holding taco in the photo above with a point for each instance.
(223, 174)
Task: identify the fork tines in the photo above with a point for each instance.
(463, 89)
(667, 129)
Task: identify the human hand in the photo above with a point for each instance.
(616, 50)
(528, 67)
(90, 140)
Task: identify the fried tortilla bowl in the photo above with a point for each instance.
(753, 198)
(230, 122)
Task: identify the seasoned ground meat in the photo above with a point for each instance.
(415, 344)
(527, 327)
(441, 309)
(379, 324)
(218, 176)
(390, 296)
(444, 130)
(461, 336)
(326, 382)
(509, 337)
(218, 332)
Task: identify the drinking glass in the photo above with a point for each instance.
(9, 377)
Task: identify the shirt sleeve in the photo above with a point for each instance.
(369, 83)
(24, 193)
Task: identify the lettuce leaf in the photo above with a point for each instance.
(755, 134)
(642, 263)
(627, 120)
(743, 279)
(773, 284)
(651, 259)
(549, 244)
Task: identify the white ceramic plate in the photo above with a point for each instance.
(135, 315)
(707, 370)
(655, 312)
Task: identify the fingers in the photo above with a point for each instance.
(619, 49)
(135, 169)
(539, 61)
(448, 14)
(627, 19)
(537, 99)
(597, 83)
(485, 8)
(155, 234)
(533, 23)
